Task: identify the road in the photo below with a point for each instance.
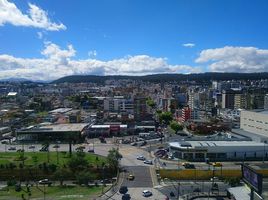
(145, 177)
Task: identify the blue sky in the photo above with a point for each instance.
(107, 37)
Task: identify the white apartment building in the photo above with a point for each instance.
(255, 122)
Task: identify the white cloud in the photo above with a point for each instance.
(40, 35)
(190, 45)
(58, 62)
(235, 59)
(53, 52)
(92, 54)
(36, 17)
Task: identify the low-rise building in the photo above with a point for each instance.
(52, 132)
(106, 130)
(219, 150)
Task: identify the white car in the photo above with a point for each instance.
(149, 162)
(147, 193)
(140, 158)
(45, 182)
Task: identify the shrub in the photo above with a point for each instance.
(233, 181)
(52, 167)
(21, 165)
(11, 182)
(12, 166)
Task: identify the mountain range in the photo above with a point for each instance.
(199, 78)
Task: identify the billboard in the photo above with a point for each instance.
(252, 178)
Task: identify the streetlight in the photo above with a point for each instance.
(264, 143)
(57, 147)
(178, 190)
(102, 180)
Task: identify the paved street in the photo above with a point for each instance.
(142, 177)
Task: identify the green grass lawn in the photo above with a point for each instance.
(41, 157)
(53, 192)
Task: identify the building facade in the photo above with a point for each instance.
(255, 122)
(218, 150)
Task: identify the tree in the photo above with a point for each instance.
(72, 139)
(78, 162)
(83, 177)
(113, 158)
(176, 126)
(165, 117)
(150, 103)
(62, 174)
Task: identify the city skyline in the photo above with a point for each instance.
(43, 40)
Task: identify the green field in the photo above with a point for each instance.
(53, 192)
(35, 158)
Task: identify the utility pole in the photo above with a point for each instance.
(178, 190)
(263, 157)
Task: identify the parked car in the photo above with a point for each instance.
(215, 187)
(140, 158)
(126, 141)
(133, 144)
(143, 143)
(147, 193)
(45, 182)
(160, 153)
(126, 197)
(12, 148)
(56, 146)
(149, 162)
(106, 181)
(123, 190)
(172, 194)
(90, 151)
(102, 139)
(4, 142)
(31, 147)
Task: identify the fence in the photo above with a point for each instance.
(196, 174)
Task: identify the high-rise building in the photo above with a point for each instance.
(228, 99)
(193, 100)
(239, 101)
(140, 111)
(189, 114)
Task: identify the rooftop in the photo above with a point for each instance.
(108, 125)
(199, 144)
(57, 127)
(12, 94)
(240, 192)
(60, 110)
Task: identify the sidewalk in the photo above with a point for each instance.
(113, 189)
